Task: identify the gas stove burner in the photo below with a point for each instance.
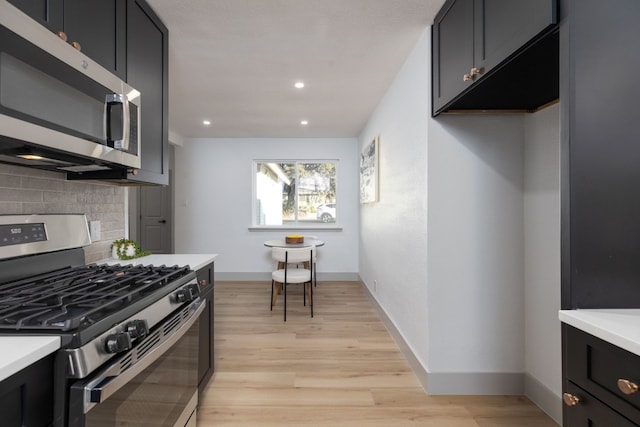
(78, 297)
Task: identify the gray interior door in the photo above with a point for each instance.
(155, 219)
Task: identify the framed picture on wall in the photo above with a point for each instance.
(369, 172)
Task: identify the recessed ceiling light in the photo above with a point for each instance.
(304, 122)
(206, 122)
(299, 85)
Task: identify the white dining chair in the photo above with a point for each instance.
(290, 273)
(315, 258)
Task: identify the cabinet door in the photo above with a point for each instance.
(47, 12)
(590, 412)
(99, 27)
(601, 209)
(147, 68)
(503, 26)
(452, 51)
(596, 366)
(206, 356)
(26, 397)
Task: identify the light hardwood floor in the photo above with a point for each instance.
(340, 368)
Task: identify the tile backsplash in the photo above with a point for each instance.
(27, 191)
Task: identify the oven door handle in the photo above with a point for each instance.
(111, 380)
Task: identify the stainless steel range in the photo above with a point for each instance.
(129, 334)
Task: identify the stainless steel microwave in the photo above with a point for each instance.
(59, 109)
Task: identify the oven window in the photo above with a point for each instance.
(161, 395)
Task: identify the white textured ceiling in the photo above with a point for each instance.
(234, 62)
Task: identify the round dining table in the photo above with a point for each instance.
(283, 244)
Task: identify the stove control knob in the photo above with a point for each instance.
(182, 295)
(187, 294)
(195, 291)
(117, 343)
(137, 329)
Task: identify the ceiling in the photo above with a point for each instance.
(235, 62)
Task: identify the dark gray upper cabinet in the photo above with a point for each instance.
(47, 12)
(147, 71)
(98, 26)
(147, 67)
(452, 51)
(494, 54)
(600, 144)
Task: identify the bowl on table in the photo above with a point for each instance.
(294, 238)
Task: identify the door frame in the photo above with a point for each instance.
(134, 219)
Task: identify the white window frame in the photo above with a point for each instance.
(295, 225)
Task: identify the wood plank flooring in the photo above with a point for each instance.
(340, 368)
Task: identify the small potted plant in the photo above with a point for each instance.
(127, 249)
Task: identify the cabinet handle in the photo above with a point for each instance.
(62, 35)
(570, 400)
(475, 71)
(627, 387)
(77, 46)
(202, 282)
(466, 77)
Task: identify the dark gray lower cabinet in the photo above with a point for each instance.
(26, 398)
(206, 357)
(590, 412)
(593, 371)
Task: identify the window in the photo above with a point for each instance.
(295, 192)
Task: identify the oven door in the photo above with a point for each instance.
(153, 384)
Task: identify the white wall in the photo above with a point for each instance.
(213, 195)
(444, 252)
(475, 238)
(445, 241)
(393, 231)
(543, 361)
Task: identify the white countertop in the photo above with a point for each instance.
(19, 352)
(195, 261)
(620, 327)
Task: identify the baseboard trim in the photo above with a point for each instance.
(543, 397)
(266, 276)
(406, 351)
(478, 383)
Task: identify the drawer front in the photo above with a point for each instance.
(590, 412)
(597, 366)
